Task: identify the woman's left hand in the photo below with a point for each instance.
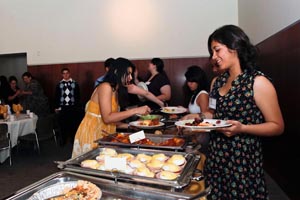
(234, 129)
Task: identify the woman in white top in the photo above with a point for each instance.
(196, 91)
(197, 95)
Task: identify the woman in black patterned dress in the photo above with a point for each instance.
(246, 98)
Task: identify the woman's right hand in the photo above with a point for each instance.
(143, 110)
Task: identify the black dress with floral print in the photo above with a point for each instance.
(234, 166)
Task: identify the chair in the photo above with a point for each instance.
(45, 128)
(5, 140)
(44, 131)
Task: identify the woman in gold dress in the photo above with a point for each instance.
(102, 110)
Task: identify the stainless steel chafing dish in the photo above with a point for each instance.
(184, 178)
(110, 190)
(155, 138)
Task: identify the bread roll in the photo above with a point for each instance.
(93, 164)
(166, 175)
(177, 159)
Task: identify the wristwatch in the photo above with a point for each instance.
(201, 115)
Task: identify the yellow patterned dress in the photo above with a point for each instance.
(90, 128)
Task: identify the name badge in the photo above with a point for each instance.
(112, 163)
(137, 136)
(212, 103)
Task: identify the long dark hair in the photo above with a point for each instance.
(235, 38)
(195, 74)
(159, 63)
(116, 78)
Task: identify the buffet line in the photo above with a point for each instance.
(166, 162)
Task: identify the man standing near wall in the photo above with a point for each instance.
(67, 105)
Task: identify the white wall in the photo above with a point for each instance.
(261, 19)
(63, 31)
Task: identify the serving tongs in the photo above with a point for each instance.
(107, 134)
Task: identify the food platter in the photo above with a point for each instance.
(110, 189)
(70, 189)
(159, 140)
(212, 124)
(173, 110)
(183, 179)
(139, 125)
(52, 190)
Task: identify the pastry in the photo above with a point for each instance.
(128, 156)
(166, 175)
(160, 156)
(171, 167)
(93, 164)
(108, 152)
(177, 159)
(143, 158)
(144, 171)
(155, 165)
(128, 170)
(135, 163)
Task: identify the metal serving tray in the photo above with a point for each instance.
(155, 138)
(184, 178)
(110, 190)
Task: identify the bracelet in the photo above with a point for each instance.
(201, 115)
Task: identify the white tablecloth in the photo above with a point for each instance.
(22, 125)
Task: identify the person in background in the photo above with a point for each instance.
(247, 99)
(33, 97)
(107, 64)
(196, 91)
(158, 83)
(14, 91)
(4, 88)
(134, 91)
(102, 115)
(67, 105)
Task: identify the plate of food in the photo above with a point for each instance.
(173, 110)
(147, 124)
(207, 124)
(69, 190)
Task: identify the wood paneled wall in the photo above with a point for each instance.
(86, 73)
(280, 59)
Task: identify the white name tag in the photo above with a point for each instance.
(111, 163)
(212, 103)
(137, 136)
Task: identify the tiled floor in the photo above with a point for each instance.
(29, 166)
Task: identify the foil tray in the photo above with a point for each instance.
(184, 178)
(106, 141)
(110, 190)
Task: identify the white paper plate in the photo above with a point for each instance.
(217, 123)
(173, 110)
(137, 124)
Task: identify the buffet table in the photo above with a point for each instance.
(123, 180)
(21, 125)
